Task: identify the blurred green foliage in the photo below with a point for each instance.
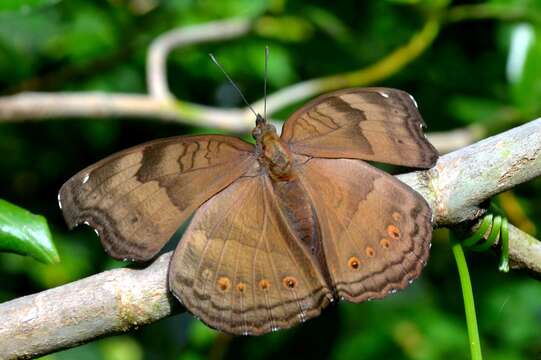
(484, 68)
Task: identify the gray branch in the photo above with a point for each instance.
(103, 304)
(118, 300)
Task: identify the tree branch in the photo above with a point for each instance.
(121, 299)
(107, 303)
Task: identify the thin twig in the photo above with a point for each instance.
(38, 106)
(163, 45)
(121, 299)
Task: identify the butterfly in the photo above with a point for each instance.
(280, 229)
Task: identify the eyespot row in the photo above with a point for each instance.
(224, 284)
(290, 282)
(394, 233)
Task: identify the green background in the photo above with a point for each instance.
(469, 76)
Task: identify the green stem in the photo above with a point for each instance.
(469, 304)
(494, 233)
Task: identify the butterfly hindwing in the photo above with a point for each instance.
(378, 124)
(136, 199)
(239, 267)
(376, 231)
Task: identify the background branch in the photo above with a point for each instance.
(161, 104)
(487, 11)
(121, 299)
(185, 36)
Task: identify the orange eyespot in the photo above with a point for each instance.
(393, 231)
(370, 252)
(224, 283)
(241, 287)
(396, 216)
(353, 263)
(384, 243)
(264, 284)
(290, 282)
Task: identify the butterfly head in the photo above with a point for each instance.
(264, 131)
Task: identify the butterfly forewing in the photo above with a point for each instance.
(240, 268)
(136, 199)
(378, 124)
(376, 231)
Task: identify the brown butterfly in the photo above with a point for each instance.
(281, 228)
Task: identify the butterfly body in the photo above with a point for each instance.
(281, 228)
(280, 166)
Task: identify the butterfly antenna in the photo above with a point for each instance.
(265, 84)
(232, 83)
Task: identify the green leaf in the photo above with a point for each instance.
(24, 233)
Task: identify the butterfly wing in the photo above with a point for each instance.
(378, 124)
(239, 268)
(136, 199)
(376, 231)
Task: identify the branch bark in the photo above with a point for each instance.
(121, 299)
(102, 304)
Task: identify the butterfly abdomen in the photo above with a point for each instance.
(301, 217)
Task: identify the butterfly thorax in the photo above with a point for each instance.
(273, 153)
